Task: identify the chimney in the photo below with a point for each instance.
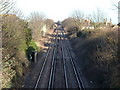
(110, 20)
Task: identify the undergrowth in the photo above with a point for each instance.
(98, 49)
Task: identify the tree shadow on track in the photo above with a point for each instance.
(35, 67)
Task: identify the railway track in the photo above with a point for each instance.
(59, 69)
(72, 60)
(45, 63)
(52, 73)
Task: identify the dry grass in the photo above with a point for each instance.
(99, 53)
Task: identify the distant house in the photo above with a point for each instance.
(43, 30)
(55, 26)
(108, 24)
(105, 24)
(87, 25)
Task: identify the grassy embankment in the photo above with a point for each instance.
(17, 45)
(97, 51)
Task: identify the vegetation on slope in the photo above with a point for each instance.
(16, 38)
(97, 52)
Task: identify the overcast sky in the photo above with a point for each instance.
(61, 9)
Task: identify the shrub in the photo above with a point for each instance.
(16, 40)
(31, 47)
(79, 34)
(33, 44)
(99, 52)
(83, 34)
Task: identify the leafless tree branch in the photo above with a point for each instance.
(6, 6)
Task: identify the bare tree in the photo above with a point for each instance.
(19, 13)
(78, 14)
(98, 16)
(115, 4)
(89, 17)
(6, 6)
(49, 23)
(78, 17)
(36, 16)
(68, 22)
(36, 21)
(9, 7)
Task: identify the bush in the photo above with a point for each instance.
(79, 34)
(16, 40)
(33, 44)
(83, 34)
(31, 47)
(112, 25)
(98, 53)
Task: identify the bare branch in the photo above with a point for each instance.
(98, 16)
(36, 21)
(78, 17)
(6, 6)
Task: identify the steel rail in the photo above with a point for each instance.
(63, 58)
(43, 66)
(79, 80)
(52, 72)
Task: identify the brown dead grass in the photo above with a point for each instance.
(98, 54)
(40, 43)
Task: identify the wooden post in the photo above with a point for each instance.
(35, 56)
